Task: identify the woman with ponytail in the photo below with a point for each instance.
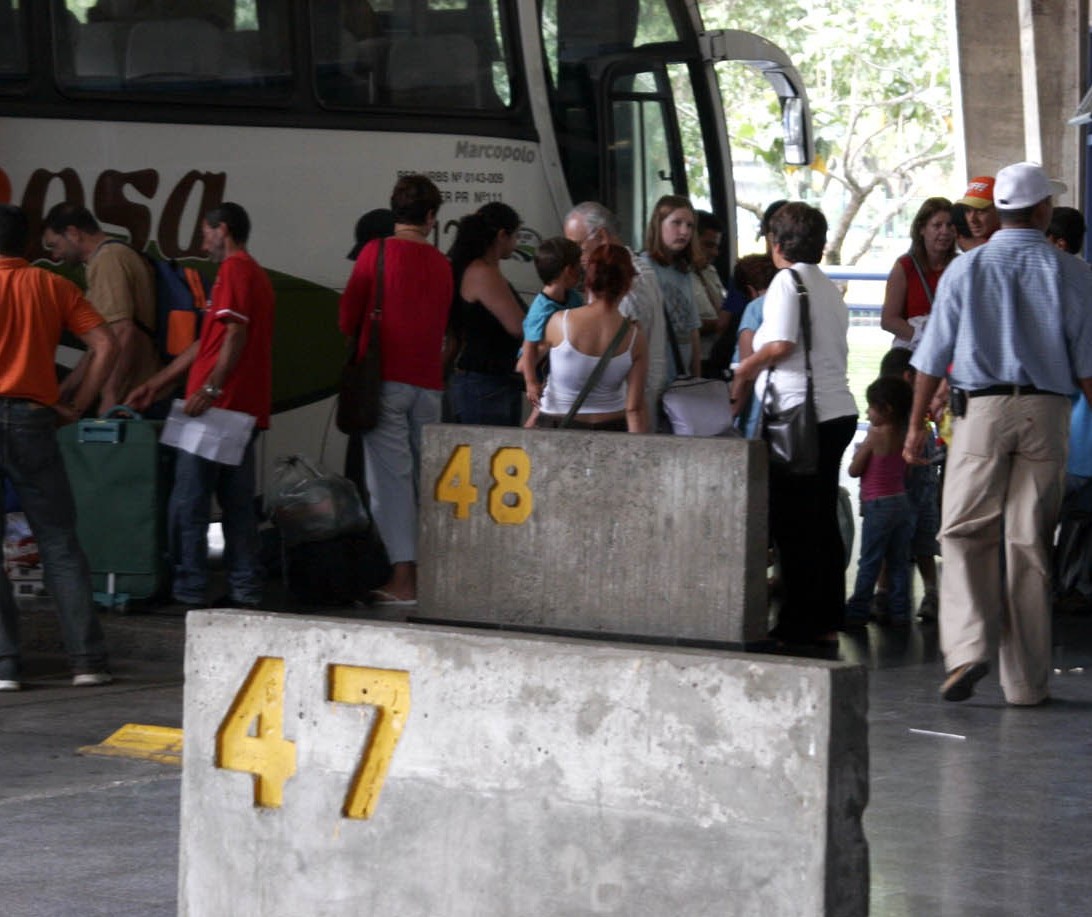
(487, 318)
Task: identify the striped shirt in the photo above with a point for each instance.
(1013, 311)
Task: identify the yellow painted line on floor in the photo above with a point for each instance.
(133, 740)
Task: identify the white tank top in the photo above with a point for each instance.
(569, 370)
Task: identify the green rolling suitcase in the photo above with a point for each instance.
(120, 478)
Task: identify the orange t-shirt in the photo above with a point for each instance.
(36, 306)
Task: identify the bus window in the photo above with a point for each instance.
(640, 165)
(582, 30)
(220, 45)
(758, 147)
(580, 39)
(13, 51)
(411, 54)
(695, 160)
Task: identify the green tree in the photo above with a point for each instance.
(878, 81)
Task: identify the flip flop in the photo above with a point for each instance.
(386, 599)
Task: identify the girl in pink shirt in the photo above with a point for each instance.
(888, 515)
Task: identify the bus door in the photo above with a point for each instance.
(640, 149)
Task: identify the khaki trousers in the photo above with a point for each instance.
(1003, 487)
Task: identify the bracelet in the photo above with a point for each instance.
(211, 390)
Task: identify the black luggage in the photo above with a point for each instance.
(120, 479)
(339, 571)
(333, 554)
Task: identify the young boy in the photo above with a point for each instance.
(557, 261)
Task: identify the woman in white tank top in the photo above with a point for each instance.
(578, 338)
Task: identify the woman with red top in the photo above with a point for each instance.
(417, 290)
(913, 280)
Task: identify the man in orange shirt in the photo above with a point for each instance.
(36, 307)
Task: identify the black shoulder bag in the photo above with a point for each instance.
(361, 380)
(793, 433)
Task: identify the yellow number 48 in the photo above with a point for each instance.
(510, 498)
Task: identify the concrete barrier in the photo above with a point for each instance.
(506, 775)
(649, 536)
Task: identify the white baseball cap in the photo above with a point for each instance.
(1023, 184)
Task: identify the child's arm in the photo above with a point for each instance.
(528, 365)
(861, 457)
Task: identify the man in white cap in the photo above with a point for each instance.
(1012, 320)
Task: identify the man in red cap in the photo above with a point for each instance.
(979, 212)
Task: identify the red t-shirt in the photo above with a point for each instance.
(242, 293)
(417, 290)
(918, 301)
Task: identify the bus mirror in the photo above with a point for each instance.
(792, 125)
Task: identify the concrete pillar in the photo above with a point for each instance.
(612, 533)
(992, 76)
(347, 768)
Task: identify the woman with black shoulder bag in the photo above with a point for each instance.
(799, 368)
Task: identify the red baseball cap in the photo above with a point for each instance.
(979, 193)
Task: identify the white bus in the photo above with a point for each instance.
(306, 111)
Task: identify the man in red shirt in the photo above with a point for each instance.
(230, 366)
(36, 307)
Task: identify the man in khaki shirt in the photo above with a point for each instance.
(120, 285)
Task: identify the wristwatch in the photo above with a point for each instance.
(211, 390)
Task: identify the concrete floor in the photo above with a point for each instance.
(976, 808)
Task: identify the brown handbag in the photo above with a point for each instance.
(361, 380)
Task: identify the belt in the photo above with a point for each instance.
(1011, 389)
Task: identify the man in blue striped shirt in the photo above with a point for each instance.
(1013, 321)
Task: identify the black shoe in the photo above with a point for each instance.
(226, 601)
(959, 685)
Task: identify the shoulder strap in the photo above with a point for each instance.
(150, 332)
(805, 333)
(921, 276)
(675, 352)
(377, 308)
(805, 318)
(597, 373)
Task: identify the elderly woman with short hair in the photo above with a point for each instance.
(804, 508)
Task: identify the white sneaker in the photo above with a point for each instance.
(89, 679)
(9, 684)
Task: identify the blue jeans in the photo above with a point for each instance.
(31, 461)
(886, 531)
(392, 464)
(189, 514)
(481, 398)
